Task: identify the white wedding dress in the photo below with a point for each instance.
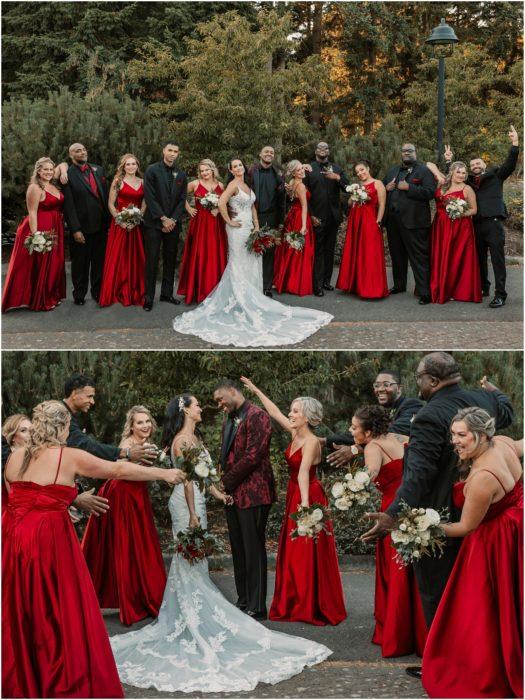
(237, 312)
(201, 642)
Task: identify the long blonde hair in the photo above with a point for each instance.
(49, 420)
(35, 177)
(211, 165)
(290, 169)
(11, 425)
(127, 431)
(455, 166)
(120, 172)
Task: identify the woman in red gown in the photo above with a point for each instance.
(206, 247)
(38, 281)
(122, 547)
(294, 269)
(400, 624)
(307, 579)
(363, 270)
(54, 641)
(454, 266)
(475, 645)
(15, 432)
(124, 264)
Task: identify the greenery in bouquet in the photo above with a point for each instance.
(40, 242)
(262, 240)
(129, 217)
(418, 533)
(194, 544)
(456, 207)
(358, 193)
(210, 201)
(198, 467)
(295, 240)
(310, 521)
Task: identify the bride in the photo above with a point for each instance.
(237, 312)
(201, 642)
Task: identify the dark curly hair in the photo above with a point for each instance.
(374, 418)
(174, 417)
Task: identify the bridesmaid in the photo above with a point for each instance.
(307, 581)
(38, 281)
(454, 266)
(124, 264)
(15, 431)
(122, 547)
(363, 269)
(206, 248)
(475, 644)
(54, 641)
(400, 625)
(294, 269)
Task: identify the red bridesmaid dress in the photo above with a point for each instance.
(54, 641)
(124, 264)
(363, 270)
(400, 624)
(293, 268)
(475, 644)
(307, 580)
(205, 252)
(123, 553)
(38, 281)
(454, 266)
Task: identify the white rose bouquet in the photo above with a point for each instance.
(295, 240)
(418, 533)
(198, 466)
(209, 201)
(358, 193)
(455, 207)
(311, 521)
(356, 489)
(40, 242)
(129, 217)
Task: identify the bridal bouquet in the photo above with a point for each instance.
(295, 240)
(40, 242)
(209, 201)
(456, 207)
(262, 240)
(358, 193)
(356, 489)
(161, 458)
(196, 463)
(194, 544)
(129, 217)
(418, 533)
(310, 521)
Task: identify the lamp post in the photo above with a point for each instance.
(441, 43)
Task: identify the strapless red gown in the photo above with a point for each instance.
(363, 269)
(205, 252)
(54, 641)
(475, 645)
(400, 624)
(124, 264)
(294, 269)
(454, 266)
(38, 281)
(123, 553)
(307, 580)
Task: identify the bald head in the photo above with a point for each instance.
(440, 365)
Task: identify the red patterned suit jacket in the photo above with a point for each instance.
(248, 473)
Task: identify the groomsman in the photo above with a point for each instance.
(165, 188)
(266, 180)
(326, 181)
(487, 183)
(410, 186)
(87, 216)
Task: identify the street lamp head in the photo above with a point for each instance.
(442, 40)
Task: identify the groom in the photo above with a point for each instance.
(248, 477)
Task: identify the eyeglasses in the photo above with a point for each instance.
(381, 385)
(408, 150)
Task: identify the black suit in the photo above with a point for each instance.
(78, 438)
(429, 472)
(86, 212)
(325, 204)
(407, 220)
(165, 195)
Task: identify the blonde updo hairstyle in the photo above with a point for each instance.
(49, 423)
(130, 416)
(290, 169)
(455, 166)
(35, 177)
(479, 423)
(211, 165)
(11, 426)
(312, 410)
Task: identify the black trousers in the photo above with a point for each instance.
(87, 263)
(268, 218)
(432, 575)
(247, 531)
(325, 240)
(153, 240)
(490, 236)
(409, 244)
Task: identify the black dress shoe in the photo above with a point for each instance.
(79, 302)
(414, 671)
(148, 305)
(328, 287)
(497, 302)
(261, 615)
(396, 290)
(170, 300)
(424, 300)
(268, 293)
(318, 293)
(241, 606)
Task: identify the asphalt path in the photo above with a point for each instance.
(397, 322)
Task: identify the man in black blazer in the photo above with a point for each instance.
(410, 186)
(325, 181)
(430, 464)
(487, 183)
(87, 216)
(165, 188)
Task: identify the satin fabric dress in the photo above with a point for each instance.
(294, 269)
(363, 270)
(37, 281)
(475, 645)
(307, 579)
(400, 624)
(205, 252)
(54, 641)
(123, 553)
(454, 266)
(124, 265)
